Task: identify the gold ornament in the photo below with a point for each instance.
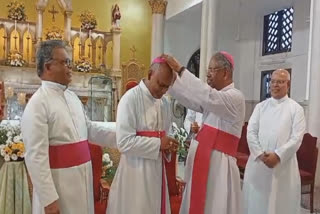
(158, 6)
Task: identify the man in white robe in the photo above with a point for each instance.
(211, 174)
(275, 131)
(56, 134)
(143, 119)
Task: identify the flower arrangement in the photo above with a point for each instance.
(54, 33)
(11, 145)
(16, 11)
(108, 169)
(180, 134)
(83, 65)
(15, 59)
(88, 20)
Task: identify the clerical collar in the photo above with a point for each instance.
(54, 85)
(145, 89)
(280, 100)
(228, 87)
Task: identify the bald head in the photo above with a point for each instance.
(282, 72)
(280, 82)
(160, 78)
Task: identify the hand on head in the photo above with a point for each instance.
(172, 62)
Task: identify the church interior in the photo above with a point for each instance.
(112, 44)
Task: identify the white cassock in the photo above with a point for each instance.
(191, 117)
(275, 126)
(136, 187)
(54, 116)
(223, 113)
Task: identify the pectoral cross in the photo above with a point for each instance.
(53, 12)
(133, 50)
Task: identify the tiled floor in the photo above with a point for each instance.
(181, 175)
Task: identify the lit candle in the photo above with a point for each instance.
(15, 25)
(90, 33)
(28, 27)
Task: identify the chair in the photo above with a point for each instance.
(243, 152)
(132, 73)
(175, 184)
(307, 156)
(100, 188)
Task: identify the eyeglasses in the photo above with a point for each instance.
(279, 82)
(210, 70)
(67, 62)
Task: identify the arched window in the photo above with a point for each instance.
(194, 63)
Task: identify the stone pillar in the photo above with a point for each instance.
(116, 34)
(116, 69)
(39, 24)
(158, 15)
(314, 78)
(208, 35)
(67, 26)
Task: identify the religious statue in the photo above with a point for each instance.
(116, 16)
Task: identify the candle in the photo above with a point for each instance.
(28, 27)
(15, 25)
(80, 31)
(90, 33)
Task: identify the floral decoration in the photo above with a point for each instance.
(11, 145)
(15, 59)
(83, 65)
(108, 169)
(54, 33)
(180, 134)
(88, 20)
(16, 11)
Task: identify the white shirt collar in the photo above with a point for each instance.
(54, 85)
(228, 87)
(145, 90)
(278, 101)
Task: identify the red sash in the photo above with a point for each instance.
(69, 155)
(209, 139)
(158, 134)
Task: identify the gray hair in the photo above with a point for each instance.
(222, 61)
(44, 53)
(154, 67)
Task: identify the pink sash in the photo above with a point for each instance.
(209, 139)
(158, 134)
(69, 155)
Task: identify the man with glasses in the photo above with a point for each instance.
(211, 174)
(56, 134)
(275, 131)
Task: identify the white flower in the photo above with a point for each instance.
(17, 139)
(110, 164)
(3, 153)
(106, 158)
(14, 157)
(7, 158)
(9, 140)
